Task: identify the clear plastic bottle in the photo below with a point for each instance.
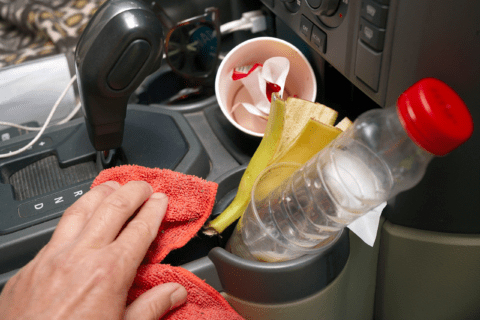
(385, 151)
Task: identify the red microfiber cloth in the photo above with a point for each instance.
(203, 302)
(190, 202)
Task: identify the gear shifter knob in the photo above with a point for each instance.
(121, 45)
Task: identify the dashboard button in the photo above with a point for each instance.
(375, 13)
(292, 5)
(319, 39)
(323, 7)
(306, 27)
(372, 35)
(314, 3)
(367, 65)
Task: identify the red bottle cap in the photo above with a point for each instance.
(434, 116)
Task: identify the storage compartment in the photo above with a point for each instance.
(427, 275)
(170, 90)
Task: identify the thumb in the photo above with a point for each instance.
(157, 301)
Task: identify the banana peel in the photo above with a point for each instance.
(313, 138)
(344, 124)
(259, 161)
(297, 114)
(296, 130)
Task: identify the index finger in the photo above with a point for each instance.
(78, 214)
(137, 236)
(111, 215)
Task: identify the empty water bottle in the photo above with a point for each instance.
(384, 152)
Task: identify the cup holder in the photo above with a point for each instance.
(303, 276)
(169, 90)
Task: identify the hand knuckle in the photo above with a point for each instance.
(154, 309)
(122, 259)
(141, 227)
(74, 211)
(118, 203)
(100, 191)
(139, 184)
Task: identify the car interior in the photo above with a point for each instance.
(132, 94)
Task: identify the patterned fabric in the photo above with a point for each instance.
(33, 28)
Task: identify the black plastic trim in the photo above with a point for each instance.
(190, 107)
(283, 281)
(240, 145)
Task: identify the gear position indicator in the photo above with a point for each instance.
(54, 202)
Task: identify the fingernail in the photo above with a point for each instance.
(178, 297)
(112, 184)
(158, 196)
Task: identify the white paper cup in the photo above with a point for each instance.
(300, 81)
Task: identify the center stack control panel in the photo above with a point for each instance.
(348, 34)
(384, 46)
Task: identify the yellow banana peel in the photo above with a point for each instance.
(265, 152)
(297, 114)
(344, 124)
(296, 130)
(313, 138)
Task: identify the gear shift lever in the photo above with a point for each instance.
(122, 44)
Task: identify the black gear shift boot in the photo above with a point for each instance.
(40, 184)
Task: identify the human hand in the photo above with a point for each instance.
(87, 268)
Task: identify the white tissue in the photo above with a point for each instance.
(274, 70)
(256, 87)
(366, 226)
(250, 108)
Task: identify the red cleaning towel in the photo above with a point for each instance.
(203, 302)
(190, 202)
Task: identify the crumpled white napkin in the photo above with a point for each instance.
(366, 226)
(274, 70)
